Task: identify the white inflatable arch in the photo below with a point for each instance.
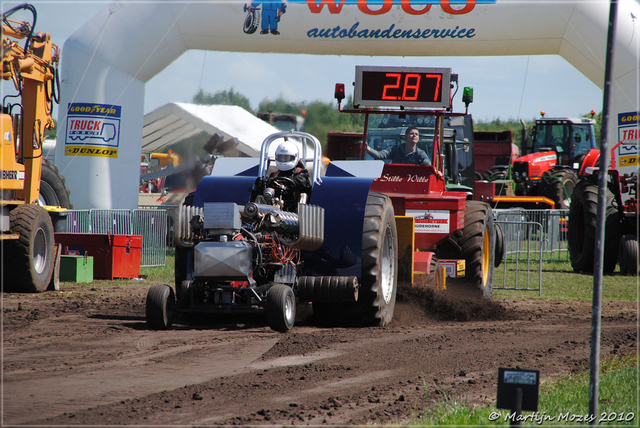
(106, 63)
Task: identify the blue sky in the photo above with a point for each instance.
(504, 87)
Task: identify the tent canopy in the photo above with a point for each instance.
(242, 132)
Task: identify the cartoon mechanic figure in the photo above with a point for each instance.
(271, 13)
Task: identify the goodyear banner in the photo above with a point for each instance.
(92, 130)
(625, 155)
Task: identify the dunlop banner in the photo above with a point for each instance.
(92, 130)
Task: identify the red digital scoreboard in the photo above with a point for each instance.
(423, 87)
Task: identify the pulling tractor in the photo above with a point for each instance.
(438, 222)
(547, 172)
(621, 210)
(28, 181)
(238, 255)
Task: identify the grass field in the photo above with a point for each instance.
(560, 401)
(559, 282)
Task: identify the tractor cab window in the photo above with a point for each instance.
(552, 136)
(386, 131)
(582, 140)
(382, 143)
(458, 150)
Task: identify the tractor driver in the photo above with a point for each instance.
(407, 153)
(289, 166)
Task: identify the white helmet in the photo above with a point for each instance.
(287, 156)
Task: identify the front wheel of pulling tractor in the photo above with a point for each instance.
(160, 304)
(281, 307)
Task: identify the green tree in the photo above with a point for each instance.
(515, 126)
(282, 106)
(598, 126)
(224, 97)
(325, 117)
(320, 117)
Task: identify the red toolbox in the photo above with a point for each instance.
(114, 256)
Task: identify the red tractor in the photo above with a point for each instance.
(621, 213)
(546, 174)
(438, 223)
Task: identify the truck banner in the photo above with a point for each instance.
(92, 130)
(625, 155)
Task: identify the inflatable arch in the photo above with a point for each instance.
(106, 63)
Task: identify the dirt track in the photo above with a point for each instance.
(84, 355)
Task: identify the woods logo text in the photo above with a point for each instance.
(380, 7)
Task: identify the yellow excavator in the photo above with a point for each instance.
(31, 186)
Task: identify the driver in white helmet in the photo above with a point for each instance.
(290, 166)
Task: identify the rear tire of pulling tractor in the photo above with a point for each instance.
(379, 283)
(379, 261)
(499, 245)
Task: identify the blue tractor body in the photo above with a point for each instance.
(343, 198)
(241, 246)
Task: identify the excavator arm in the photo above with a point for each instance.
(33, 70)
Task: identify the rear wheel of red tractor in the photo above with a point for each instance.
(581, 232)
(29, 260)
(477, 244)
(558, 185)
(629, 255)
(497, 173)
(499, 245)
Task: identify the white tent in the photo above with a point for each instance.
(242, 132)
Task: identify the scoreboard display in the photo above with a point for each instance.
(403, 86)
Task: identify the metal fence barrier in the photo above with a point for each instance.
(531, 238)
(553, 230)
(521, 255)
(150, 224)
(115, 222)
(76, 221)
(171, 211)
